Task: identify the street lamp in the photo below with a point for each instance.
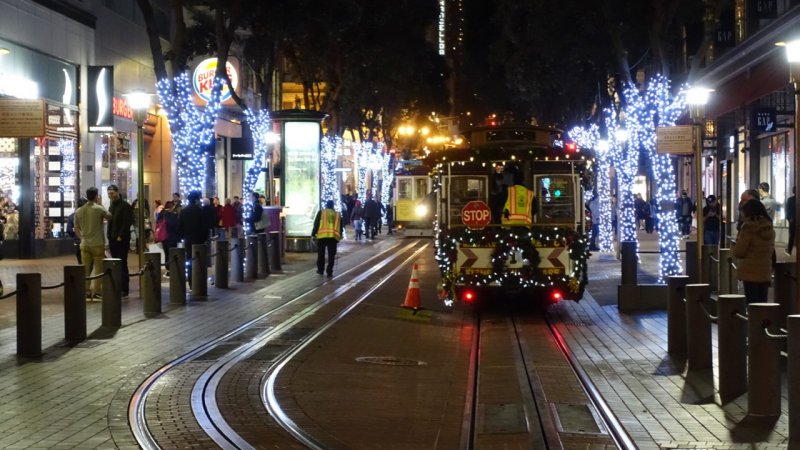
(696, 98)
(793, 57)
(140, 101)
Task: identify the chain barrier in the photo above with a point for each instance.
(777, 337)
(169, 261)
(141, 271)
(706, 312)
(733, 264)
(98, 276)
(9, 294)
(741, 316)
(235, 246)
(716, 260)
(55, 286)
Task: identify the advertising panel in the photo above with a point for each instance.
(101, 99)
(301, 175)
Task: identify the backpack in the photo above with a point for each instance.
(161, 230)
(263, 222)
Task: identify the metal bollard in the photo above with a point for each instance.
(263, 262)
(250, 258)
(275, 250)
(793, 372)
(29, 315)
(763, 362)
(708, 272)
(784, 288)
(732, 352)
(698, 328)
(629, 263)
(199, 271)
(112, 293)
(676, 315)
(177, 276)
(151, 283)
(74, 303)
(724, 283)
(237, 260)
(221, 265)
(691, 261)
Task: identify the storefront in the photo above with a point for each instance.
(39, 157)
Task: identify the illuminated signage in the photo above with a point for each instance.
(301, 176)
(101, 95)
(442, 27)
(121, 108)
(203, 79)
(15, 86)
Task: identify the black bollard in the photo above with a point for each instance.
(112, 293)
(261, 257)
(199, 271)
(629, 263)
(221, 265)
(763, 361)
(177, 276)
(151, 284)
(275, 250)
(74, 303)
(691, 261)
(793, 373)
(732, 353)
(29, 315)
(784, 292)
(676, 314)
(237, 260)
(698, 328)
(250, 258)
(710, 272)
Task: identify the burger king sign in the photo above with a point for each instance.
(203, 79)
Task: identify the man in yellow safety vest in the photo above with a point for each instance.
(518, 210)
(327, 230)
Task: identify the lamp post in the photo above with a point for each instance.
(793, 57)
(696, 98)
(139, 102)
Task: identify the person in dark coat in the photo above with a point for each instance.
(194, 228)
(119, 233)
(372, 214)
(753, 251)
(255, 214)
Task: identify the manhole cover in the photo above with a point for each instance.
(390, 361)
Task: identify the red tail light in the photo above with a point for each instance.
(468, 296)
(556, 296)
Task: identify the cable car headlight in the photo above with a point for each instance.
(421, 210)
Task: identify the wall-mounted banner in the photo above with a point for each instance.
(101, 95)
(241, 149)
(203, 80)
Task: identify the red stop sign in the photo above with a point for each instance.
(476, 214)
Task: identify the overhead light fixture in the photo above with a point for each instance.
(4, 51)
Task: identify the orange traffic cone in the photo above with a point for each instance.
(413, 300)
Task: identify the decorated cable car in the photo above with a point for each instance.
(413, 208)
(509, 216)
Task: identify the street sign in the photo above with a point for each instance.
(476, 214)
(678, 139)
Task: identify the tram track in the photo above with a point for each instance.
(536, 392)
(203, 400)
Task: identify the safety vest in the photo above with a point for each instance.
(329, 225)
(518, 205)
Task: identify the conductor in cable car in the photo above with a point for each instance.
(519, 204)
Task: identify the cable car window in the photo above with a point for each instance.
(555, 199)
(421, 189)
(462, 190)
(404, 187)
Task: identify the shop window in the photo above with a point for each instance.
(116, 162)
(9, 187)
(54, 185)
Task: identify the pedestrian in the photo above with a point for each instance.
(176, 200)
(237, 205)
(648, 213)
(683, 210)
(119, 233)
(328, 227)
(594, 211)
(654, 213)
(228, 218)
(258, 221)
(790, 217)
(89, 230)
(766, 199)
(193, 228)
(712, 221)
(357, 215)
(372, 214)
(76, 241)
(753, 249)
(217, 227)
(638, 206)
(389, 218)
(749, 194)
(168, 221)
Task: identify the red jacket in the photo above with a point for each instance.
(228, 216)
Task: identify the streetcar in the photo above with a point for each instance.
(542, 259)
(413, 206)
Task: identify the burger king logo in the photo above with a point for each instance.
(203, 79)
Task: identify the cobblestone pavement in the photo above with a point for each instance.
(77, 396)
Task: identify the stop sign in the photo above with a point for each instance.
(476, 214)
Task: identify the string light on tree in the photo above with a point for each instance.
(66, 148)
(590, 138)
(644, 111)
(330, 185)
(192, 128)
(260, 126)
